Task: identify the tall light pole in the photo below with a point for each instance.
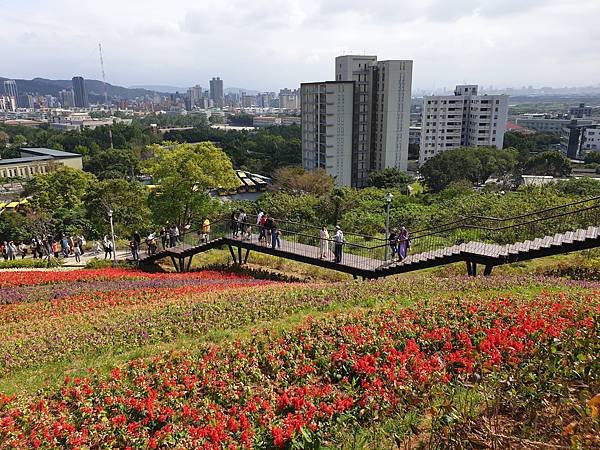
(388, 200)
(112, 233)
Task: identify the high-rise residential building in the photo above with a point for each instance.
(380, 117)
(80, 93)
(327, 124)
(67, 98)
(289, 99)
(10, 89)
(25, 101)
(464, 119)
(195, 96)
(216, 92)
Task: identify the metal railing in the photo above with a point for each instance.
(368, 252)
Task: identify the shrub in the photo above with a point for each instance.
(97, 263)
(579, 269)
(30, 263)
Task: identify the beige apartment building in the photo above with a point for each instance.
(34, 161)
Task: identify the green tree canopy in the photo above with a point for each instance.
(548, 163)
(296, 180)
(590, 158)
(475, 164)
(60, 194)
(390, 178)
(129, 202)
(63, 187)
(183, 174)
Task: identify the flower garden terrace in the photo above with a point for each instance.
(474, 240)
(125, 359)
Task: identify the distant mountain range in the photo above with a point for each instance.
(160, 88)
(95, 88)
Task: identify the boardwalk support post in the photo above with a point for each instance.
(232, 253)
(246, 257)
(189, 264)
(239, 255)
(488, 270)
(471, 268)
(175, 263)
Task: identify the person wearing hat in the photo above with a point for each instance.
(338, 243)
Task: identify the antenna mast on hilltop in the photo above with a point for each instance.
(103, 75)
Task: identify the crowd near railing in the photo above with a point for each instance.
(369, 252)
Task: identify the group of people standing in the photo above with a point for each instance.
(269, 233)
(61, 245)
(169, 236)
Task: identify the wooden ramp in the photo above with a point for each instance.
(354, 263)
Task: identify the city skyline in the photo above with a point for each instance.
(265, 46)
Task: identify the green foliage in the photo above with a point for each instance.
(590, 158)
(261, 151)
(579, 269)
(390, 178)
(473, 164)
(297, 208)
(582, 187)
(526, 144)
(4, 139)
(13, 227)
(31, 263)
(241, 120)
(97, 263)
(183, 174)
(296, 180)
(111, 163)
(127, 200)
(551, 163)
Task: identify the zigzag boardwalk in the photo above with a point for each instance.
(364, 256)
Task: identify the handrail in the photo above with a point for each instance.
(505, 219)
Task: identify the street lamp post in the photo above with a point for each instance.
(388, 200)
(112, 233)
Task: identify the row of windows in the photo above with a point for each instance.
(25, 172)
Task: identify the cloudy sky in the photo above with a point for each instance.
(269, 44)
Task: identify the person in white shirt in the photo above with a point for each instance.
(324, 242)
(338, 243)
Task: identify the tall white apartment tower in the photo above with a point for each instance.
(327, 116)
(381, 92)
(464, 119)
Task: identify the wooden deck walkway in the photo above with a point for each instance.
(473, 253)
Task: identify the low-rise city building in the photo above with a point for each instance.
(34, 161)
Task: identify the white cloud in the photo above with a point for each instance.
(268, 44)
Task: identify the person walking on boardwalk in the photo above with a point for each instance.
(393, 241)
(403, 243)
(269, 221)
(174, 235)
(163, 237)
(338, 244)
(275, 236)
(206, 229)
(324, 247)
(233, 223)
(262, 230)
